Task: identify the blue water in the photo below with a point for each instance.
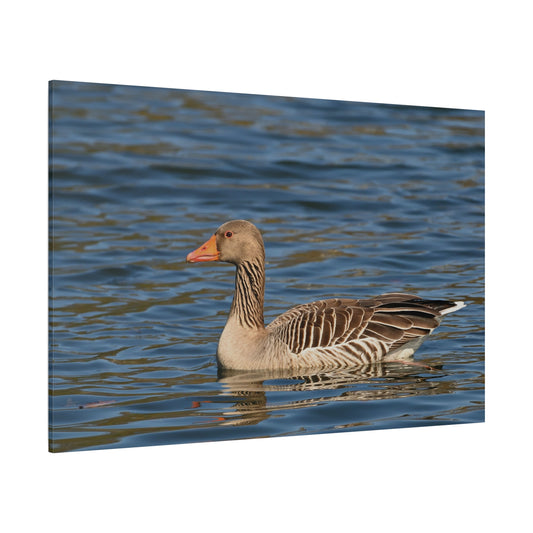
(353, 200)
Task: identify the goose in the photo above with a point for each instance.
(323, 335)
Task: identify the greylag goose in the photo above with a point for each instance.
(326, 334)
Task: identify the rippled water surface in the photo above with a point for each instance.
(353, 200)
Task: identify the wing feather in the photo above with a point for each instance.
(393, 319)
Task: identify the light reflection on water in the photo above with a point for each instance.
(353, 200)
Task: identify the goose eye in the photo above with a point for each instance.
(228, 234)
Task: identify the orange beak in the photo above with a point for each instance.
(207, 252)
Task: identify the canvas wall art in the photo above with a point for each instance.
(218, 266)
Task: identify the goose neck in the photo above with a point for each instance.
(248, 300)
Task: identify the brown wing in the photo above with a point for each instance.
(392, 318)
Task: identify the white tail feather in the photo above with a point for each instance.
(456, 307)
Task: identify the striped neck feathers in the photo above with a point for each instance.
(249, 295)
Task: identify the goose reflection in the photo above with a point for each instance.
(259, 395)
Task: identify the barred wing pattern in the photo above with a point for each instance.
(341, 332)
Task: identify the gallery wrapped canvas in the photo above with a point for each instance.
(350, 201)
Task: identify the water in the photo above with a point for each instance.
(353, 200)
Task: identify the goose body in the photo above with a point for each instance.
(326, 334)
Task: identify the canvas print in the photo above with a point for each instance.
(232, 266)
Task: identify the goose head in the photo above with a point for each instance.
(236, 241)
